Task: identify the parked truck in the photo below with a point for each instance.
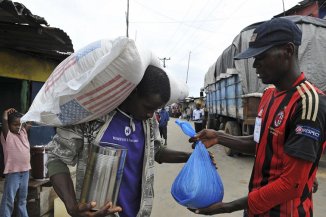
(233, 90)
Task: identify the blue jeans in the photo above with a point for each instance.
(15, 182)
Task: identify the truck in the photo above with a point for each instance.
(233, 90)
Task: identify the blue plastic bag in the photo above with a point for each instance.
(186, 127)
(198, 184)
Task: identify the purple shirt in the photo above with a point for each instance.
(120, 132)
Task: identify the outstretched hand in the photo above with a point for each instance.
(86, 210)
(216, 208)
(208, 137)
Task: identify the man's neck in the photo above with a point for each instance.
(124, 108)
(287, 82)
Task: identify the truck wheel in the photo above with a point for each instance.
(211, 123)
(231, 127)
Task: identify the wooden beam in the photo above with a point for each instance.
(22, 66)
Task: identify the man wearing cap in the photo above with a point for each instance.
(289, 134)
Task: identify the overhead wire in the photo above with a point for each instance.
(177, 28)
(191, 36)
(195, 25)
(184, 37)
(173, 20)
(191, 23)
(181, 40)
(182, 21)
(206, 38)
(153, 10)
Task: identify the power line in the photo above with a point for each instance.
(181, 22)
(154, 11)
(197, 27)
(170, 18)
(205, 39)
(178, 27)
(186, 24)
(191, 35)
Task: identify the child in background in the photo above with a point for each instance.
(16, 149)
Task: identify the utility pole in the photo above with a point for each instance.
(127, 19)
(283, 8)
(165, 59)
(188, 67)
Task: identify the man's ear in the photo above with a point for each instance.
(289, 49)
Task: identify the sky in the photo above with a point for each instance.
(191, 34)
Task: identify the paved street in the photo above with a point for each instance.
(234, 171)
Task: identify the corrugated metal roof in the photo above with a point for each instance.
(301, 5)
(23, 31)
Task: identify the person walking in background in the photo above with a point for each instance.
(163, 124)
(197, 117)
(188, 113)
(16, 150)
(289, 134)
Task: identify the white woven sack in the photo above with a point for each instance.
(179, 90)
(90, 83)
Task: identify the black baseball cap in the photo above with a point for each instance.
(271, 33)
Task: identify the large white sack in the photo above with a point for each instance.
(179, 89)
(93, 81)
(90, 83)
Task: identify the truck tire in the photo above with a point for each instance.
(211, 123)
(231, 127)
